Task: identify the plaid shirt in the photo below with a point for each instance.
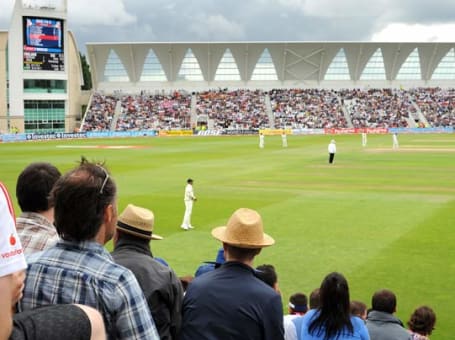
(35, 232)
(85, 273)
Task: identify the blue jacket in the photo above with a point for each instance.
(231, 303)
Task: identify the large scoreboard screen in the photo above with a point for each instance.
(43, 44)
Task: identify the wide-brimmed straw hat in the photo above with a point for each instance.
(244, 230)
(137, 221)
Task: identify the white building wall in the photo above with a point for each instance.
(17, 74)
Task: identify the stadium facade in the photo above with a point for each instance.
(138, 66)
(41, 75)
(40, 71)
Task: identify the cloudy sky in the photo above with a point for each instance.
(256, 20)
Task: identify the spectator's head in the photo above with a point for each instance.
(298, 304)
(422, 321)
(267, 274)
(209, 266)
(359, 309)
(136, 222)
(384, 301)
(333, 315)
(315, 299)
(34, 185)
(334, 293)
(186, 281)
(85, 204)
(243, 237)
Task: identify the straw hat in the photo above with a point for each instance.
(138, 222)
(244, 230)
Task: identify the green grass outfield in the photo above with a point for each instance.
(384, 218)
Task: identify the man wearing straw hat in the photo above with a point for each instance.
(231, 302)
(161, 286)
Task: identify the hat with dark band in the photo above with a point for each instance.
(137, 221)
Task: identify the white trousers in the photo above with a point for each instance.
(395, 144)
(187, 217)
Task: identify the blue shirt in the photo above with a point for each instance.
(360, 330)
(85, 273)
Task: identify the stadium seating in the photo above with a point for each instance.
(244, 109)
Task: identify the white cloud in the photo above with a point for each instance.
(6, 12)
(216, 27)
(99, 12)
(398, 32)
(339, 8)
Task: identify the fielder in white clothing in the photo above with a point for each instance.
(364, 139)
(395, 144)
(332, 148)
(188, 198)
(284, 139)
(261, 140)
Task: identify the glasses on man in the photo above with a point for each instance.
(106, 177)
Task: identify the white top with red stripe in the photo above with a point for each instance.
(12, 257)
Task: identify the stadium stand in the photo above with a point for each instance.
(159, 112)
(307, 108)
(244, 109)
(237, 109)
(100, 113)
(436, 104)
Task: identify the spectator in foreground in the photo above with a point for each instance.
(49, 322)
(35, 224)
(230, 302)
(78, 269)
(298, 306)
(315, 298)
(381, 322)
(333, 320)
(315, 303)
(359, 309)
(208, 266)
(162, 288)
(267, 273)
(421, 324)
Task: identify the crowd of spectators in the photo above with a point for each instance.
(238, 109)
(307, 108)
(291, 108)
(436, 104)
(378, 108)
(100, 113)
(155, 112)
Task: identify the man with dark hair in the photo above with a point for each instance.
(315, 302)
(161, 287)
(78, 269)
(35, 224)
(267, 273)
(315, 298)
(381, 323)
(231, 302)
(48, 322)
(298, 306)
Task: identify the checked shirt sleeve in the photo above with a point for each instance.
(134, 320)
